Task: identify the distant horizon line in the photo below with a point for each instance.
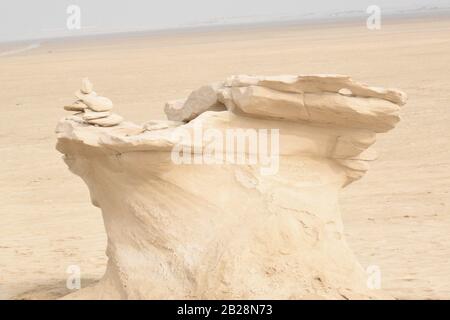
(335, 17)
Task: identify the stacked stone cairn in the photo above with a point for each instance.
(93, 109)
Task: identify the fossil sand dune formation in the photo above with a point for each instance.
(396, 217)
(228, 230)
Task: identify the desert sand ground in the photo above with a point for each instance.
(397, 217)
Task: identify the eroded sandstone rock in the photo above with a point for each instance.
(225, 230)
(203, 99)
(318, 83)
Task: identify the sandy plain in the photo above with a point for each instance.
(397, 217)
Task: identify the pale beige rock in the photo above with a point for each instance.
(98, 103)
(226, 230)
(95, 109)
(90, 115)
(81, 96)
(264, 102)
(174, 109)
(345, 92)
(76, 106)
(353, 146)
(109, 121)
(225, 97)
(318, 83)
(86, 86)
(369, 113)
(328, 108)
(243, 81)
(203, 99)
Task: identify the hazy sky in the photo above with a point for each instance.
(28, 19)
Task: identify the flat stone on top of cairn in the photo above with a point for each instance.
(86, 86)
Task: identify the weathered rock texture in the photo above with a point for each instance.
(225, 231)
(199, 101)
